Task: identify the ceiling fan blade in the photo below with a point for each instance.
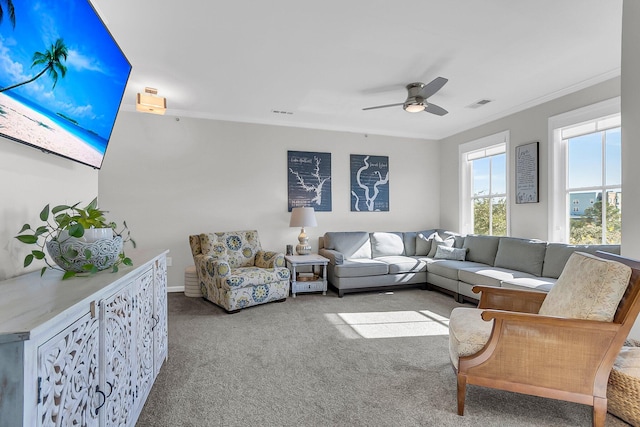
(432, 87)
(383, 106)
(435, 109)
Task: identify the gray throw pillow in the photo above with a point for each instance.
(423, 242)
(444, 252)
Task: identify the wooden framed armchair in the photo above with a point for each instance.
(560, 345)
(234, 272)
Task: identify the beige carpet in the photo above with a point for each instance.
(368, 359)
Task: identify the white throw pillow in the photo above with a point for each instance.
(437, 241)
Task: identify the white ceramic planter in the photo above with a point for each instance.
(70, 253)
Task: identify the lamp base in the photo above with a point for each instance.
(303, 249)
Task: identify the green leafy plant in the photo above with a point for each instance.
(75, 220)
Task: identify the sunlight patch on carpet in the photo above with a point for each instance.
(389, 324)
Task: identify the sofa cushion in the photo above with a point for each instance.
(409, 239)
(403, 264)
(589, 288)
(543, 284)
(386, 244)
(557, 255)
(489, 276)
(448, 268)
(359, 267)
(458, 240)
(521, 254)
(423, 242)
(352, 244)
(468, 332)
(444, 252)
(481, 248)
(438, 241)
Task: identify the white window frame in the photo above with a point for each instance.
(558, 207)
(465, 185)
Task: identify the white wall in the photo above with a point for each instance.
(30, 179)
(526, 220)
(171, 178)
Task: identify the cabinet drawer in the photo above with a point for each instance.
(308, 286)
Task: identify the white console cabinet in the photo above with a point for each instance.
(83, 351)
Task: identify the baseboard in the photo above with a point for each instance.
(175, 289)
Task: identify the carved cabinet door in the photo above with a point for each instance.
(68, 389)
(144, 334)
(117, 335)
(160, 315)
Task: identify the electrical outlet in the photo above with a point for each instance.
(169, 261)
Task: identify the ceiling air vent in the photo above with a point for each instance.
(479, 104)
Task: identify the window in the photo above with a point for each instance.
(586, 182)
(484, 186)
(593, 170)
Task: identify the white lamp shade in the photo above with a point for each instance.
(303, 217)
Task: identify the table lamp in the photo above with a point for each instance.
(303, 217)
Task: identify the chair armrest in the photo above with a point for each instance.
(335, 257)
(209, 266)
(553, 321)
(509, 299)
(572, 355)
(269, 259)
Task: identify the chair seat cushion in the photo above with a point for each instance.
(589, 288)
(468, 332)
(250, 276)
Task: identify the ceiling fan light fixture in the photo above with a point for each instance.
(415, 108)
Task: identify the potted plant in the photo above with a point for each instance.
(79, 239)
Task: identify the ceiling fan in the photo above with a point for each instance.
(417, 98)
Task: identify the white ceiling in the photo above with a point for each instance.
(324, 61)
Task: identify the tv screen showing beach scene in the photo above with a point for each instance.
(62, 78)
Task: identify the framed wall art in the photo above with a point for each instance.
(527, 173)
(309, 180)
(369, 183)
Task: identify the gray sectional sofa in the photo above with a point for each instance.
(360, 261)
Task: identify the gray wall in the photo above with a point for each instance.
(172, 178)
(631, 135)
(631, 129)
(526, 220)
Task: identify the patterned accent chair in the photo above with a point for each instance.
(560, 345)
(234, 272)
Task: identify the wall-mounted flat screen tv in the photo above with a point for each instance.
(62, 78)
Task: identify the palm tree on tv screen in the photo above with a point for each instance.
(10, 10)
(52, 58)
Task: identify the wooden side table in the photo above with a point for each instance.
(315, 283)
